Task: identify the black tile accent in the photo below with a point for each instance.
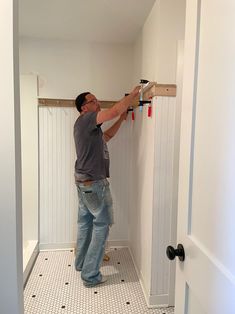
(46, 259)
(64, 307)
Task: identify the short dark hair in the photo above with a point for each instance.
(80, 100)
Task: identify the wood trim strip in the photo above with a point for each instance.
(51, 102)
(151, 90)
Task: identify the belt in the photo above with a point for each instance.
(86, 183)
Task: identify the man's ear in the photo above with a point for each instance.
(84, 108)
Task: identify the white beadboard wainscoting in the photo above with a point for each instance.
(164, 206)
(58, 195)
(152, 207)
(142, 184)
(58, 199)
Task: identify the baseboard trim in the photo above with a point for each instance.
(71, 245)
(118, 243)
(56, 246)
(158, 301)
(30, 264)
(152, 301)
(140, 277)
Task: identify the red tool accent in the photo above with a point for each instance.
(150, 107)
(133, 115)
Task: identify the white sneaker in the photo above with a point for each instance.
(103, 280)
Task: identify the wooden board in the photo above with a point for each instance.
(151, 90)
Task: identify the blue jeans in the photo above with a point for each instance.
(95, 215)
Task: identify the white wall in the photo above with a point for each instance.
(120, 180)
(64, 69)
(140, 222)
(153, 222)
(67, 68)
(58, 195)
(155, 50)
(152, 197)
(29, 148)
(11, 288)
(58, 198)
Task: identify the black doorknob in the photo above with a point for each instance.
(172, 253)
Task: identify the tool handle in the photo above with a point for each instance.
(149, 111)
(144, 81)
(133, 115)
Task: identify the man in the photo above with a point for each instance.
(95, 214)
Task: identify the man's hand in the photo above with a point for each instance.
(117, 109)
(135, 91)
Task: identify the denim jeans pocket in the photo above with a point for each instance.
(92, 199)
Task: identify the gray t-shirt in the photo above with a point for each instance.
(92, 153)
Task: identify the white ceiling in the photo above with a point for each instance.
(113, 21)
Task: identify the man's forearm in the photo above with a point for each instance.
(117, 109)
(108, 134)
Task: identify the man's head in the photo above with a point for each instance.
(87, 102)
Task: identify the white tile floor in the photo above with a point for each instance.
(55, 287)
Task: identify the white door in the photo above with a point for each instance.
(205, 281)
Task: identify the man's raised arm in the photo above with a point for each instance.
(118, 108)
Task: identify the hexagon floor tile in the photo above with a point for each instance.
(55, 287)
